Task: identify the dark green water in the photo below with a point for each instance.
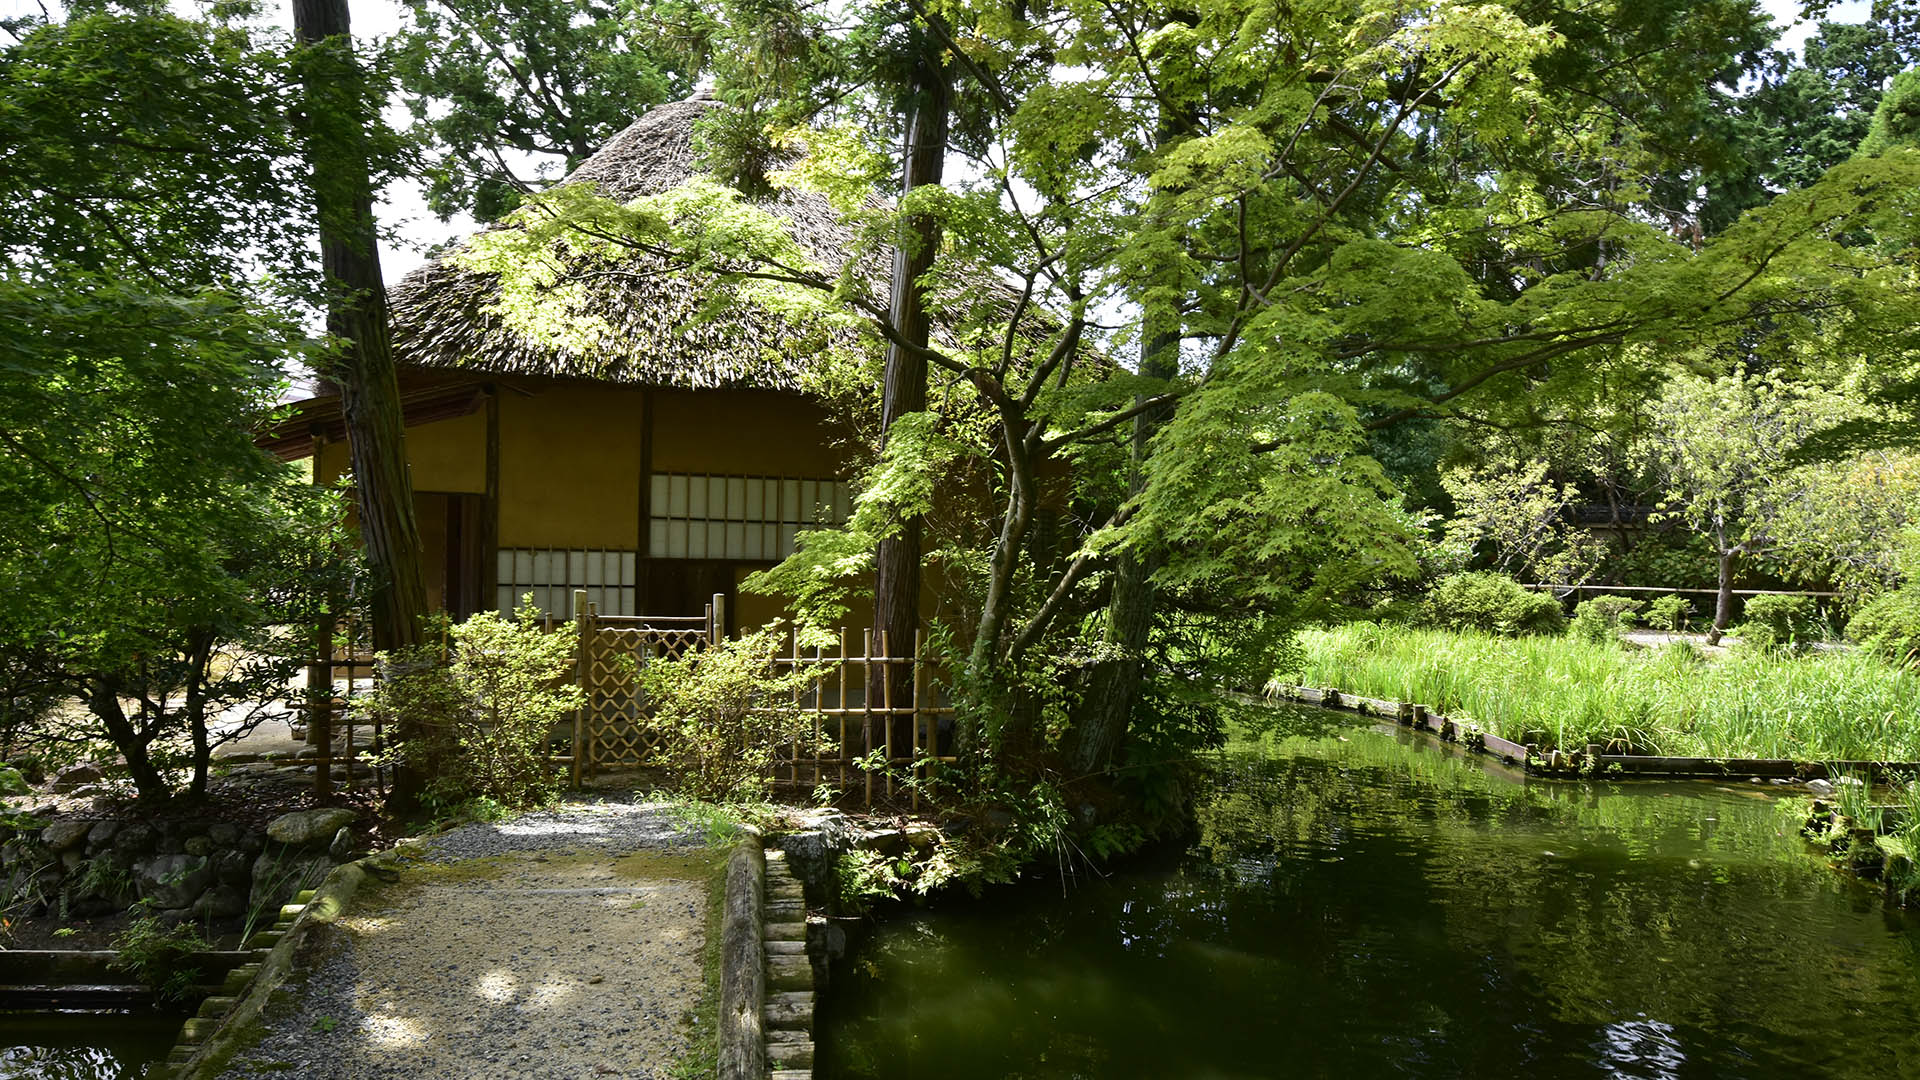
(1380, 907)
(83, 1045)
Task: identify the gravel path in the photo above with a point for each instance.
(563, 944)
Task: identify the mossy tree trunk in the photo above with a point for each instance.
(896, 578)
(360, 360)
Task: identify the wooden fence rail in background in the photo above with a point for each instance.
(1660, 589)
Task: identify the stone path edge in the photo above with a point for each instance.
(215, 1039)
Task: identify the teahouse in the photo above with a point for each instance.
(654, 467)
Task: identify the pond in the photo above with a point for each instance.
(83, 1045)
(1371, 903)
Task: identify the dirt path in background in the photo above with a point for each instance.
(565, 944)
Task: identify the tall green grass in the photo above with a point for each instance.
(1671, 700)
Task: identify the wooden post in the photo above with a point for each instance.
(490, 514)
(886, 702)
(866, 705)
(719, 629)
(793, 772)
(845, 748)
(919, 638)
(819, 702)
(583, 674)
(320, 672)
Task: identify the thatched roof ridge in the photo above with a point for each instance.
(441, 321)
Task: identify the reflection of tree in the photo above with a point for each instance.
(1387, 905)
(1609, 901)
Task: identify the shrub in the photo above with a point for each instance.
(481, 710)
(1778, 620)
(1669, 613)
(158, 956)
(1495, 603)
(1889, 624)
(723, 714)
(1602, 618)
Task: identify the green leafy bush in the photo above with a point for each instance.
(1495, 603)
(1669, 613)
(479, 712)
(158, 956)
(724, 714)
(1602, 618)
(1779, 620)
(1889, 624)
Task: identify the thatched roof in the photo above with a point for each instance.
(441, 321)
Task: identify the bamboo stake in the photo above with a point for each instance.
(840, 755)
(919, 638)
(583, 672)
(886, 702)
(866, 705)
(793, 769)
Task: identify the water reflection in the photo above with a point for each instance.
(83, 1045)
(1368, 904)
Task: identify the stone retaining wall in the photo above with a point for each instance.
(78, 867)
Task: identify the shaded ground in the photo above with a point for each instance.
(565, 944)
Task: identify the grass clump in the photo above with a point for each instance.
(1759, 703)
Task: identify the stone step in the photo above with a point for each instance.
(790, 1055)
(792, 1011)
(786, 948)
(792, 909)
(786, 930)
(216, 1007)
(197, 1028)
(789, 972)
(792, 1074)
(238, 978)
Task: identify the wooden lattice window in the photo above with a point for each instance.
(552, 575)
(739, 517)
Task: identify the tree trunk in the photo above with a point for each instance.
(896, 570)
(103, 698)
(1114, 684)
(199, 666)
(1723, 602)
(984, 661)
(361, 365)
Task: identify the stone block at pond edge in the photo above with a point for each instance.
(62, 835)
(313, 829)
(173, 881)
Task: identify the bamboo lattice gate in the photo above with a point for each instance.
(875, 746)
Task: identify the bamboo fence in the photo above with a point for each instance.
(611, 729)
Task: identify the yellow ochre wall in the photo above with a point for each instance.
(570, 454)
(446, 455)
(569, 467)
(744, 433)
